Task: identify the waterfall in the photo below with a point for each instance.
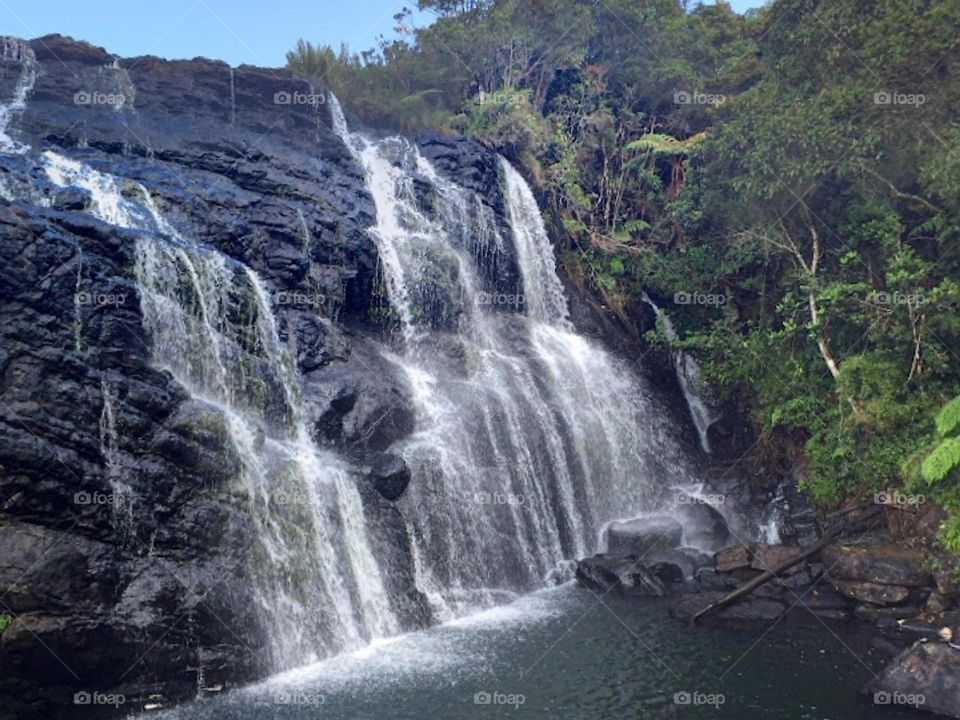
(212, 328)
(12, 49)
(688, 377)
(529, 437)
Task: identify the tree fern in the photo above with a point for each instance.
(948, 419)
(942, 461)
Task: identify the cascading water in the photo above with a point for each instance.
(212, 327)
(529, 437)
(17, 51)
(688, 377)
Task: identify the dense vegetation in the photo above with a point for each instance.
(789, 179)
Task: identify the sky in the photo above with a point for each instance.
(254, 32)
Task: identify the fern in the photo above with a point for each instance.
(944, 458)
(948, 419)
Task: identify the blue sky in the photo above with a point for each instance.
(257, 32)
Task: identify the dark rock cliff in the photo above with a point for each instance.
(243, 160)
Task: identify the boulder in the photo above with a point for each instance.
(688, 561)
(617, 573)
(872, 593)
(925, 676)
(643, 535)
(733, 558)
(883, 564)
(710, 579)
(703, 526)
(768, 557)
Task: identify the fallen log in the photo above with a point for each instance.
(770, 574)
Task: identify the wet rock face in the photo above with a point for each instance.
(124, 535)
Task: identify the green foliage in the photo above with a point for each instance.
(5, 621)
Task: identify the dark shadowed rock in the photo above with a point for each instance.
(390, 475)
(623, 574)
(872, 593)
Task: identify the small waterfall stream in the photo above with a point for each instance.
(688, 377)
(212, 327)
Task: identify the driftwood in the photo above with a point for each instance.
(770, 574)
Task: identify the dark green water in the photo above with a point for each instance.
(561, 654)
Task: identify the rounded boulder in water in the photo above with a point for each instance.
(641, 535)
